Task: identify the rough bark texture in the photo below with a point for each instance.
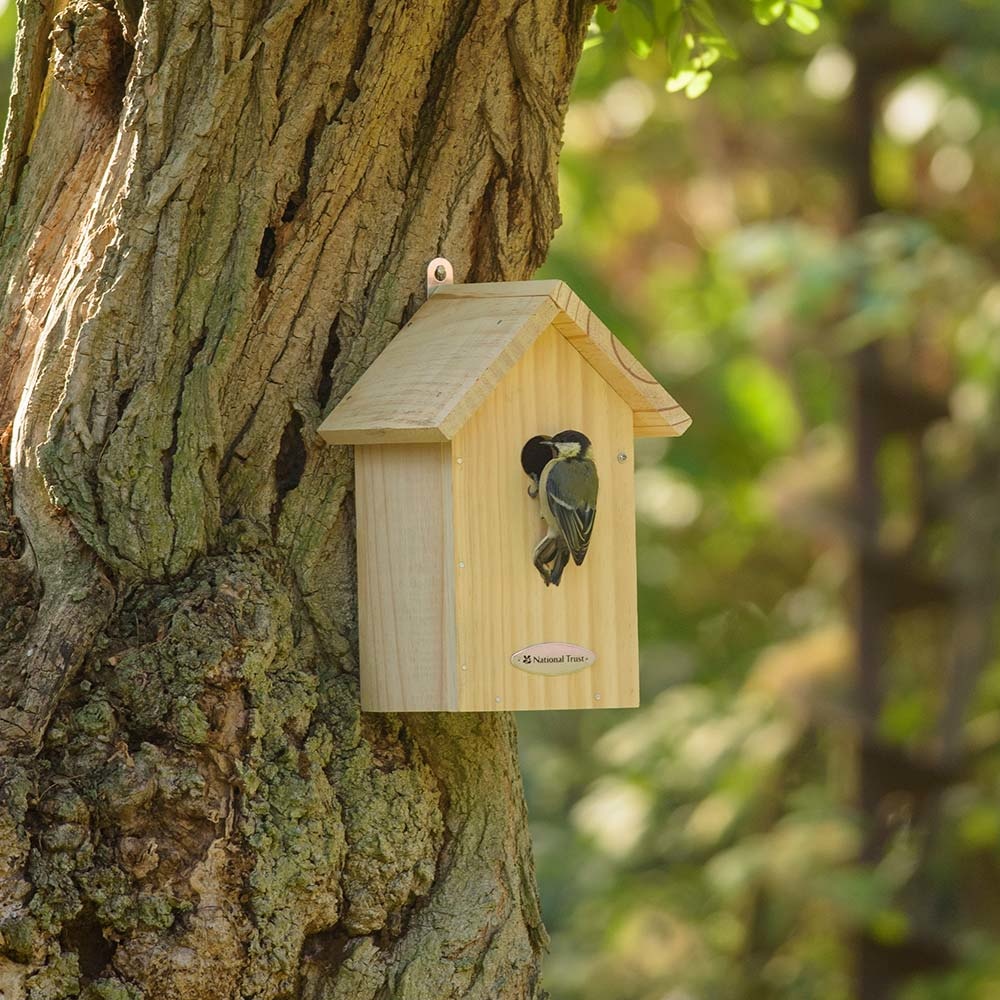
(214, 216)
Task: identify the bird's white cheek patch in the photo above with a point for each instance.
(553, 658)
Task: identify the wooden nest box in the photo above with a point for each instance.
(453, 614)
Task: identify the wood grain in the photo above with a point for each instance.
(447, 589)
(501, 603)
(655, 412)
(447, 360)
(441, 366)
(406, 578)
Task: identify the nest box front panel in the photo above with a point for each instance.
(502, 605)
(406, 588)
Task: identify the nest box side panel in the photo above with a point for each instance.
(406, 594)
(502, 604)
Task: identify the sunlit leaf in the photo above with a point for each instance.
(680, 81)
(801, 19)
(708, 57)
(768, 11)
(698, 84)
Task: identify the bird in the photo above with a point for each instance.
(567, 493)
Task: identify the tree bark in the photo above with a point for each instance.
(214, 217)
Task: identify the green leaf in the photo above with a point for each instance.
(646, 6)
(801, 19)
(705, 16)
(604, 18)
(638, 29)
(720, 42)
(664, 13)
(768, 11)
(698, 85)
(708, 56)
(679, 81)
(677, 47)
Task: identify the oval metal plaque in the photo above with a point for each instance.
(553, 658)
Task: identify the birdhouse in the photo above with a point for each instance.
(452, 425)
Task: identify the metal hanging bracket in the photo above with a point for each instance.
(439, 272)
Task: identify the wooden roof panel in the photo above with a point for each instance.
(451, 355)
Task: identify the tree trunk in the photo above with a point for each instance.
(214, 217)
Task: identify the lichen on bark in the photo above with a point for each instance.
(214, 217)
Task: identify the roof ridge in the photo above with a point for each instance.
(450, 356)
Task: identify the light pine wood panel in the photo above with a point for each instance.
(440, 367)
(502, 605)
(551, 288)
(406, 578)
(445, 362)
(656, 412)
(647, 424)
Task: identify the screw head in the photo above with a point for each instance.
(461, 565)
(459, 460)
(622, 456)
(497, 699)
(440, 272)
(597, 697)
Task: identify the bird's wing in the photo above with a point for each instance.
(571, 489)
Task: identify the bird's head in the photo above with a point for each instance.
(571, 444)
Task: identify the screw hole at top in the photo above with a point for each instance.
(440, 272)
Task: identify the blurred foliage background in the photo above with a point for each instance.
(807, 805)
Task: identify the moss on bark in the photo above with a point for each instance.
(215, 217)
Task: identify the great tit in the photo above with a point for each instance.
(567, 492)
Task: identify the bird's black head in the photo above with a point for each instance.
(570, 444)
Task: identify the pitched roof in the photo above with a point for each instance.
(452, 354)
